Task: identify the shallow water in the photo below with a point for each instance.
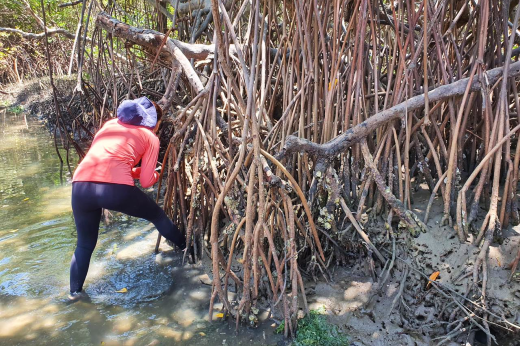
(166, 302)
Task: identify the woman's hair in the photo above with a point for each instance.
(159, 111)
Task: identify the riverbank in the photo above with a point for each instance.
(35, 96)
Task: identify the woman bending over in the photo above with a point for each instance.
(105, 179)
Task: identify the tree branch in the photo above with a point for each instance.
(327, 151)
(39, 21)
(31, 36)
(415, 226)
(73, 3)
(152, 39)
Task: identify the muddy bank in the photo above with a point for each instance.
(374, 307)
(35, 95)
(35, 98)
(406, 310)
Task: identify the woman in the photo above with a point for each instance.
(105, 179)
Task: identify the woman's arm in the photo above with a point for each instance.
(146, 173)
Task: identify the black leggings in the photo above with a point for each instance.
(88, 198)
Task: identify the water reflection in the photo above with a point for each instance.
(165, 301)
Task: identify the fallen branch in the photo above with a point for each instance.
(362, 233)
(152, 39)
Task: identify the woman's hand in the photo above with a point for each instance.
(136, 172)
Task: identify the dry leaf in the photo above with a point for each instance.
(26, 199)
(122, 290)
(202, 334)
(433, 277)
(335, 83)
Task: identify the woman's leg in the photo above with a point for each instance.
(134, 202)
(86, 216)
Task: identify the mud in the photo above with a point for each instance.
(361, 307)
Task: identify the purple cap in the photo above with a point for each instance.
(138, 112)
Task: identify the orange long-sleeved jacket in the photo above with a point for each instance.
(116, 149)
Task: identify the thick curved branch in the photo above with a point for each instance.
(329, 150)
(152, 39)
(192, 5)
